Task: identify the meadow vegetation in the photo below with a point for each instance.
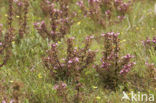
(76, 51)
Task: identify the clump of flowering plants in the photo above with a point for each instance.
(5, 43)
(113, 69)
(61, 90)
(101, 11)
(76, 61)
(15, 95)
(60, 18)
(151, 71)
(72, 66)
(7, 38)
(21, 12)
(150, 43)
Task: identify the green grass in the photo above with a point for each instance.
(25, 65)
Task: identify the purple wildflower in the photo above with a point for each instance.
(77, 59)
(70, 61)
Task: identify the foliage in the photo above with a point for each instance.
(60, 18)
(101, 11)
(76, 61)
(113, 68)
(95, 70)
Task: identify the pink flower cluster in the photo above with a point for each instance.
(126, 64)
(77, 59)
(61, 85)
(110, 35)
(121, 6)
(19, 3)
(113, 67)
(95, 10)
(60, 20)
(150, 43)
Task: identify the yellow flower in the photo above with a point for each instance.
(59, 42)
(13, 42)
(39, 75)
(94, 87)
(137, 28)
(6, 15)
(17, 16)
(129, 94)
(98, 97)
(122, 41)
(11, 81)
(152, 28)
(78, 23)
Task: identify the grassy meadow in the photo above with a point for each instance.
(25, 78)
